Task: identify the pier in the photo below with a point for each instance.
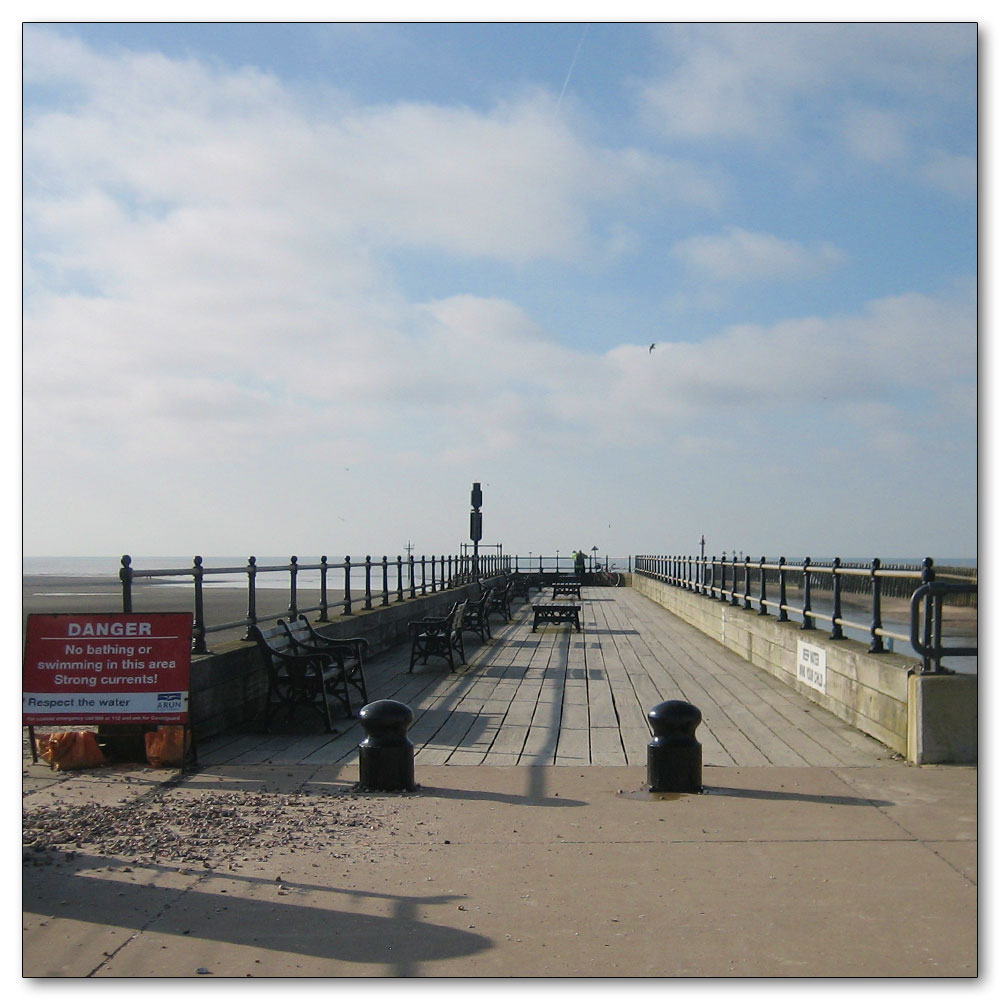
(561, 697)
(531, 845)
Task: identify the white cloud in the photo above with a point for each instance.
(210, 289)
(771, 85)
(956, 175)
(875, 134)
(161, 138)
(739, 255)
(910, 346)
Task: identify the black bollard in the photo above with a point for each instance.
(385, 755)
(673, 757)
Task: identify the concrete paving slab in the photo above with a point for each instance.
(928, 802)
(542, 871)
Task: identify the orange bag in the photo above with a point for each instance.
(70, 751)
(168, 746)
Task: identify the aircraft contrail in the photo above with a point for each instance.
(569, 72)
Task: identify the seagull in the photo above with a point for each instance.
(651, 346)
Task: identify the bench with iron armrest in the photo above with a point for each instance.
(523, 583)
(500, 601)
(477, 615)
(566, 588)
(300, 678)
(353, 650)
(439, 637)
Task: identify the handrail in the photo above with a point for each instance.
(437, 572)
(931, 647)
(707, 576)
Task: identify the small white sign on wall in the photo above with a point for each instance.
(812, 666)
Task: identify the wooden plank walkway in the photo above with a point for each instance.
(561, 697)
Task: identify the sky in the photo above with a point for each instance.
(291, 288)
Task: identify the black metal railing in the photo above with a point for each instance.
(557, 565)
(744, 583)
(363, 583)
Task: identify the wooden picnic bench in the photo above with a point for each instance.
(566, 588)
(439, 637)
(354, 649)
(557, 614)
(296, 677)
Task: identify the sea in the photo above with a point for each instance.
(108, 566)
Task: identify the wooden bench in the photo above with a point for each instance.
(500, 602)
(477, 615)
(566, 588)
(439, 637)
(298, 678)
(557, 614)
(354, 650)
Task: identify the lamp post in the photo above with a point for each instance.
(476, 526)
(593, 557)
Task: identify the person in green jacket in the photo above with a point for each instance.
(579, 563)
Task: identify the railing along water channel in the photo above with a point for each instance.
(363, 582)
(744, 583)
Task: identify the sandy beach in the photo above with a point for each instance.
(67, 594)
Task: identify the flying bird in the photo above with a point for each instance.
(651, 346)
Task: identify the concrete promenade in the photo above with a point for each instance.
(813, 851)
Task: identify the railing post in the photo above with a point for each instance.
(837, 632)
(293, 573)
(807, 622)
(125, 575)
(385, 581)
(399, 578)
(324, 605)
(782, 591)
(734, 599)
(927, 576)
(413, 581)
(347, 585)
(368, 583)
(876, 646)
(251, 594)
(711, 579)
(198, 630)
(746, 584)
(762, 610)
(423, 576)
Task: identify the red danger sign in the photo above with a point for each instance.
(106, 668)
